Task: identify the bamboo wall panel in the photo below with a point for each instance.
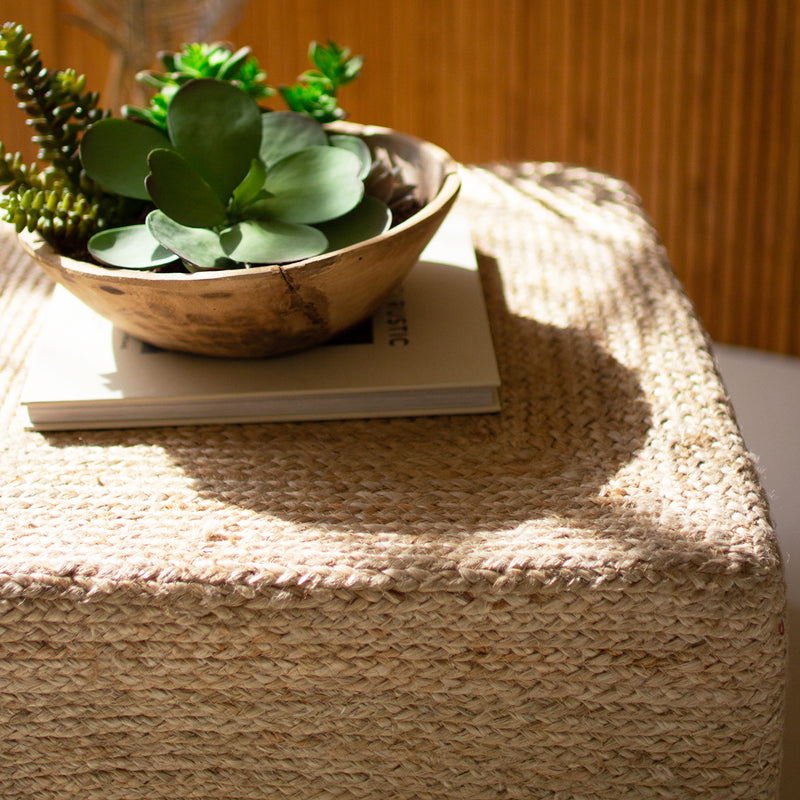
(696, 103)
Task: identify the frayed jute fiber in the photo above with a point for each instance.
(580, 597)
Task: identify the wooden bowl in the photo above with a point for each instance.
(272, 309)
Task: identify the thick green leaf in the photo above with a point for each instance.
(314, 185)
(287, 132)
(272, 242)
(217, 128)
(132, 247)
(181, 193)
(250, 186)
(371, 217)
(232, 64)
(197, 246)
(358, 147)
(114, 153)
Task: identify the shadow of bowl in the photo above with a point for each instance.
(571, 417)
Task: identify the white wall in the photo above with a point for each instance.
(765, 391)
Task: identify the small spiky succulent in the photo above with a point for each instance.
(315, 92)
(53, 196)
(199, 60)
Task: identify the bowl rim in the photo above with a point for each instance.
(36, 246)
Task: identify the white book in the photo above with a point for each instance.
(428, 350)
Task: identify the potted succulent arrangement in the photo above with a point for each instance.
(206, 222)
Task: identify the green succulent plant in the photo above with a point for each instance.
(265, 187)
(198, 60)
(315, 93)
(53, 196)
(204, 175)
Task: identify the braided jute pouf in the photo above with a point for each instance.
(580, 597)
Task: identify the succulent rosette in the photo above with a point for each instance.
(232, 185)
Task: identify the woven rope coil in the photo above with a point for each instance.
(580, 597)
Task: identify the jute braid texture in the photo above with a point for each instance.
(578, 598)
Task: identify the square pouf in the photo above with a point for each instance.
(580, 597)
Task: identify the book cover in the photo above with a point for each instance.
(428, 350)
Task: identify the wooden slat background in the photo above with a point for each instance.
(696, 103)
